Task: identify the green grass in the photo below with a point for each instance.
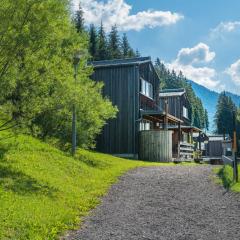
(44, 191)
(225, 177)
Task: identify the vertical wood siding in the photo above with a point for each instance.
(155, 146)
(120, 86)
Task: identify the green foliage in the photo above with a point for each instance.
(170, 80)
(79, 20)
(114, 44)
(35, 45)
(37, 91)
(92, 113)
(224, 114)
(225, 175)
(44, 191)
(107, 47)
(102, 44)
(93, 43)
(206, 120)
(127, 51)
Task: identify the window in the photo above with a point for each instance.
(146, 125)
(185, 112)
(146, 88)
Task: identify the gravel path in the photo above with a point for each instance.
(179, 202)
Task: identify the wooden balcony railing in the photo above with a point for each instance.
(186, 151)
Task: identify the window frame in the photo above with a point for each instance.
(146, 88)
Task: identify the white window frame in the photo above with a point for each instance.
(185, 112)
(146, 88)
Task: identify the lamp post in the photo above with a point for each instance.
(76, 60)
(235, 147)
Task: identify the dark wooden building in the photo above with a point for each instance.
(133, 86)
(176, 103)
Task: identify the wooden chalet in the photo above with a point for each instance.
(176, 103)
(133, 86)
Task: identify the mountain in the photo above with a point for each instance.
(209, 99)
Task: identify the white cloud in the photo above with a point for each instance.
(202, 75)
(201, 55)
(119, 12)
(234, 72)
(224, 27)
(196, 55)
(224, 30)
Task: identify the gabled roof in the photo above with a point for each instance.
(120, 62)
(172, 92)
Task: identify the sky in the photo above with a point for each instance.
(199, 38)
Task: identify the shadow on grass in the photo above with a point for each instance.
(20, 183)
(88, 159)
(226, 180)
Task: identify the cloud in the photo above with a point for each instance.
(200, 55)
(196, 55)
(224, 30)
(202, 75)
(119, 12)
(224, 27)
(234, 72)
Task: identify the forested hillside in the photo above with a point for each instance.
(209, 99)
(170, 80)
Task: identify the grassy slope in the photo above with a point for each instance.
(225, 175)
(43, 191)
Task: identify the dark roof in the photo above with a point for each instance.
(172, 92)
(117, 62)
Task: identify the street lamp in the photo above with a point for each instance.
(76, 59)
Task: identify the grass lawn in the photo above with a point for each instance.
(225, 177)
(44, 191)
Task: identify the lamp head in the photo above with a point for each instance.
(77, 56)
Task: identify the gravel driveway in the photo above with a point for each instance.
(179, 202)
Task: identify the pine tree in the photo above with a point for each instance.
(131, 53)
(224, 114)
(170, 80)
(93, 43)
(206, 120)
(137, 54)
(125, 46)
(102, 44)
(114, 44)
(79, 20)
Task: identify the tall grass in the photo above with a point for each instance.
(44, 191)
(225, 175)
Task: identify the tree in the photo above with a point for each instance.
(224, 114)
(206, 120)
(172, 80)
(114, 44)
(127, 51)
(79, 20)
(35, 42)
(102, 44)
(37, 89)
(137, 53)
(93, 43)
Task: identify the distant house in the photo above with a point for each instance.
(214, 146)
(176, 103)
(133, 86)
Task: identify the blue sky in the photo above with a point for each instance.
(201, 38)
